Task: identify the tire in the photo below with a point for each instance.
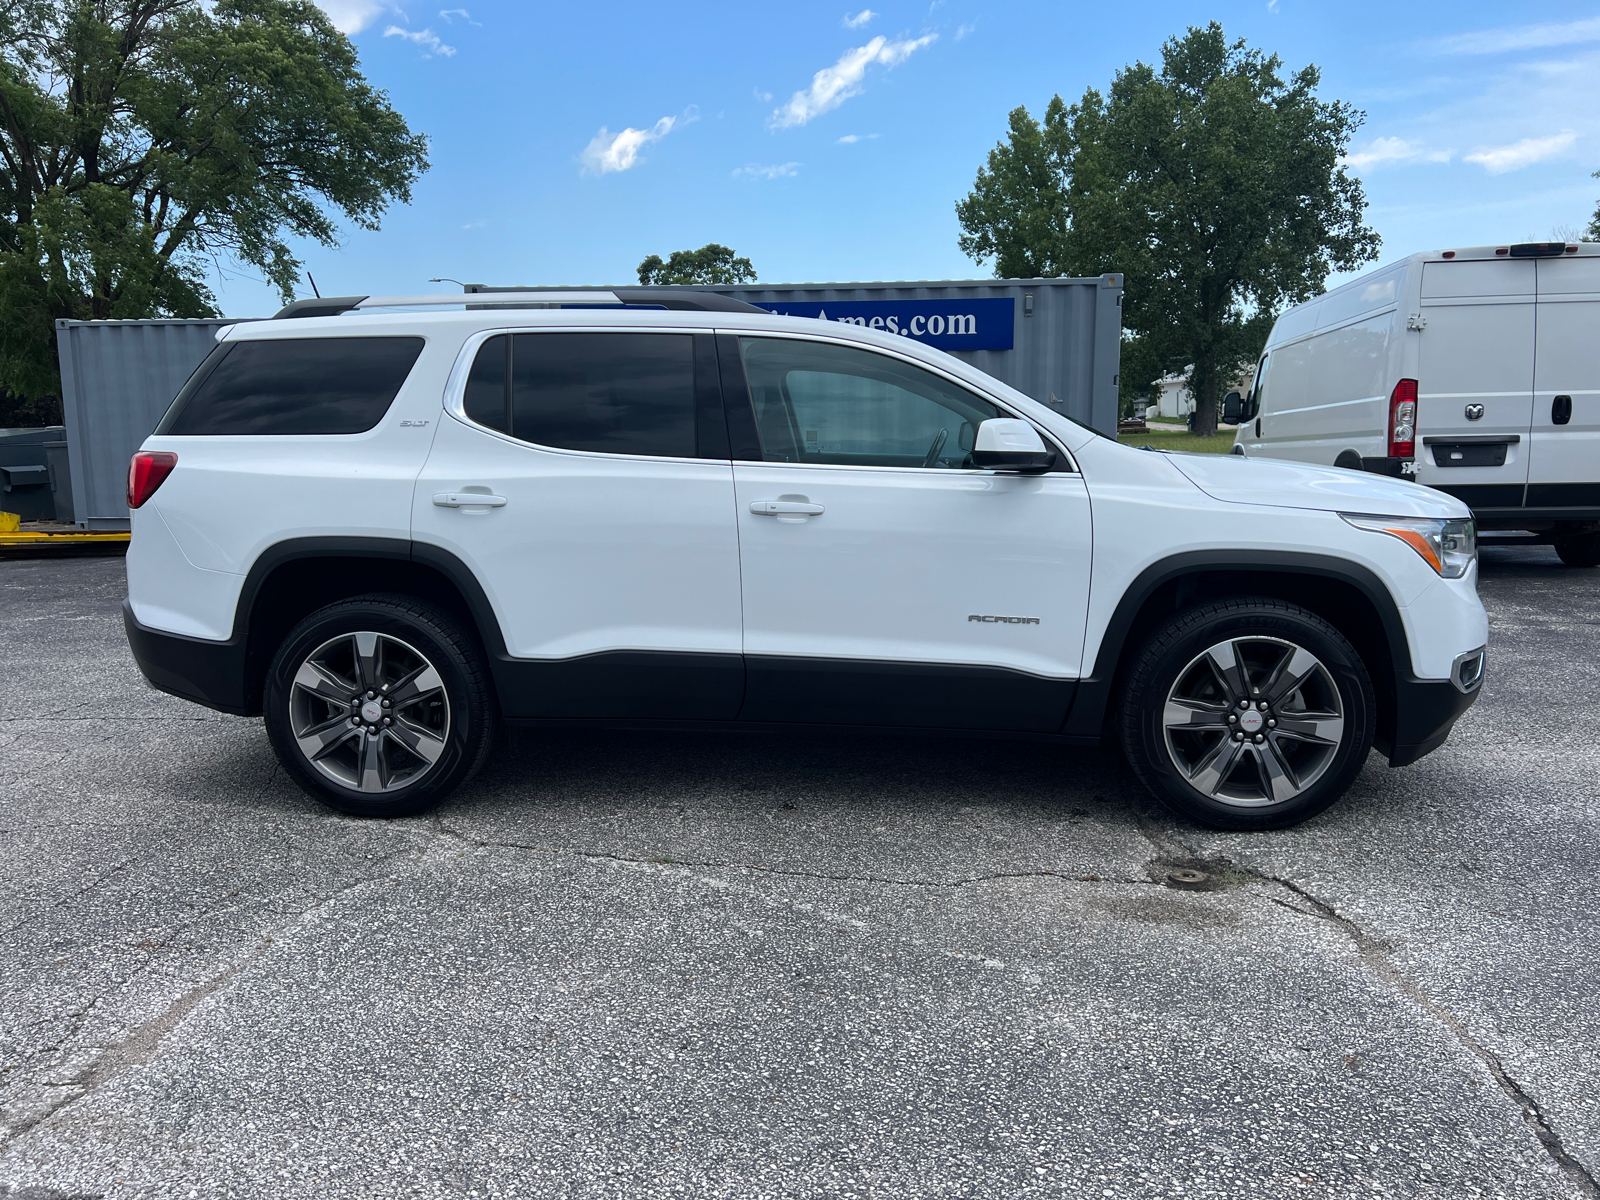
(346, 743)
(1579, 550)
(1181, 714)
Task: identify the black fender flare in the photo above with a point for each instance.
(400, 549)
(249, 665)
(1087, 716)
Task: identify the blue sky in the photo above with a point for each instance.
(570, 141)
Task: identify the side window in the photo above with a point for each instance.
(829, 404)
(294, 386)
(616, 393)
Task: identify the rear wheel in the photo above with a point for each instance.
(1579, 550)
(379, 706)
(1248, 713)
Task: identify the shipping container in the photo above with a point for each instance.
(1056, 340)
(117, 379)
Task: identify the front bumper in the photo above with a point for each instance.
(205, 672)
(1425, 712)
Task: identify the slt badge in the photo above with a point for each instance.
(1474, 412)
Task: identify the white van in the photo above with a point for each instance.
(1476, 372)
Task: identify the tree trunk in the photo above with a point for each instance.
(1203, 386)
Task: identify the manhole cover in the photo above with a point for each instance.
(1187, 877)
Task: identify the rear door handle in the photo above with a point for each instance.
(1561, 410)
(468, 500)
(784, 508)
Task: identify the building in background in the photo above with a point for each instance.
(1173, 401)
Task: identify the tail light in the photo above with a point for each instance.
(148, 471)
(1403, 419)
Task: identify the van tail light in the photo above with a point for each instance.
(148, 471)
(1403, 419)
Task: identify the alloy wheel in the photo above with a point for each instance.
(1253, 721)
(369, 712)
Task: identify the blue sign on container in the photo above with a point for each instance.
(954, 324)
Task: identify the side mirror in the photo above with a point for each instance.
(1010, 444)
(1232, 408)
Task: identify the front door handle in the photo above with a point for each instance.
(1561, 410)
(785, 508)
(468, 500)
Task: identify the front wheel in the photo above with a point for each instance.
(379, 706)
(1248, 713)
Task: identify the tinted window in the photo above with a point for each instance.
(295, 386)
(619, 393)
(820, 403)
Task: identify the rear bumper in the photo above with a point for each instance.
(1425, 712)
(208, 673)
(1536, 518)
(1506, 505)
(1392, 467)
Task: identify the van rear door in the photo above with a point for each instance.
(1564, 458)
(1475, 379)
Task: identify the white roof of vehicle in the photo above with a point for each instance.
(1379, 289)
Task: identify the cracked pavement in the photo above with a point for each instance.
(642, 965)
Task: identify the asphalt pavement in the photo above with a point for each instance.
(646, 965)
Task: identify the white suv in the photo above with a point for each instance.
(388, 527)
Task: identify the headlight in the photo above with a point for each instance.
(1449, 547)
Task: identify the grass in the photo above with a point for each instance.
(1179, 439)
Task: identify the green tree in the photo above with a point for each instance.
(1213, 185)
(711, 264)
(143, 141)
(1593, 232)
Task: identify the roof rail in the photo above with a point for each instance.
(681, 299)
(479, 297)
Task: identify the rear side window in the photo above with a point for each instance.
(294, 386)
(616, 393)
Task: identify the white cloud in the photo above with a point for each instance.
(1393, 150)
(352, 16)
(850, 139)
(859, 19)
(776, 171)
(963, 30)
(1272, 6)
(832, 86)
(1497, 160)
(450, 15)
(425, 38)
(609, 152)
(1520, 37)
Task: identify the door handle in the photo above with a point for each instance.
(785, 508)
(468, 500)
(1561, 410)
